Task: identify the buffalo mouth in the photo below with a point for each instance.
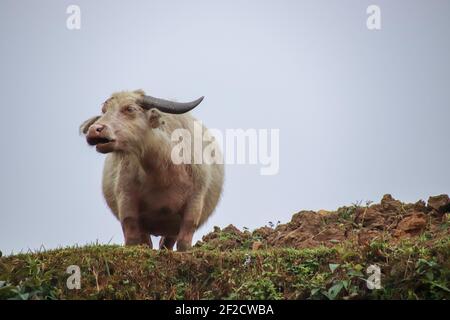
(94, 141)
(102, 145)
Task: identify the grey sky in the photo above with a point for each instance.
(361, 113)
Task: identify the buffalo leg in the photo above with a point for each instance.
(133, 233)
(189, 223)
(167, 243)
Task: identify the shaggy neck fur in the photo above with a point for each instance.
(153, 155)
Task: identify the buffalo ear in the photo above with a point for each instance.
(154, 118)
(84, 127)
(139, 92)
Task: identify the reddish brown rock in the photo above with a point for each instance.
(232, 230)
(411, 225)
(390, 220)
(365, 237)
(263, 232)
(388, 203)
(292, 237)
(440, 203)
(420, 206)
(324, 212)
(306, 219)
(334, 234)
(256, 245)
(370, 218)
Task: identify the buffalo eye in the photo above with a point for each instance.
(128, 109)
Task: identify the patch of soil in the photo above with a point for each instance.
(390, 220)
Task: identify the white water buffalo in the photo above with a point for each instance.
(145, 189)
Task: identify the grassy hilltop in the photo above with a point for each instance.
(318, 255)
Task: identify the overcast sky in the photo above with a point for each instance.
(361, 113)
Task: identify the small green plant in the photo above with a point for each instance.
(347, 213)
(259, 289)
(36, 283)
(444, 226)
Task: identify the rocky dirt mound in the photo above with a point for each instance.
(391, 220)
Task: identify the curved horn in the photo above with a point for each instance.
(167, 106)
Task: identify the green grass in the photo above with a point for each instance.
(416, 269)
